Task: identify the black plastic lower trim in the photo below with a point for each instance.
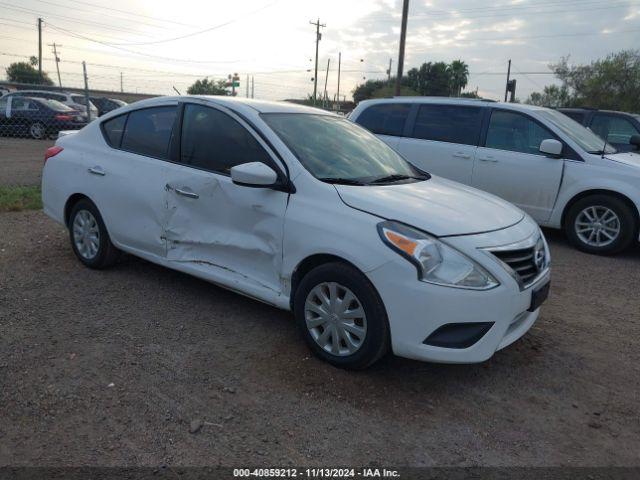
(458, 335)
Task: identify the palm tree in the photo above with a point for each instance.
(459, 73)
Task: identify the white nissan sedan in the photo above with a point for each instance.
(306, 211)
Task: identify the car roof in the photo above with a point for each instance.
(234, 103)
(453, 101)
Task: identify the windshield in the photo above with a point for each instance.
(585, 138)
(336, 150)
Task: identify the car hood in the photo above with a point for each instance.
(628, 158)
(438, 206)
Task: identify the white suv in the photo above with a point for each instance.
(555, 169)
(308, 212)
(73, 100)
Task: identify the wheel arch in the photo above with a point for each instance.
(601, 191)
(71, 201)
(309, 263)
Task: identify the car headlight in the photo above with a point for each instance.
(436, 262)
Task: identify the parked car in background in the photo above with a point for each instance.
(105, 105)
(558, 171)
(4, 91)
(306, 211)
(619, 128)
(37, 117)
(74, 100)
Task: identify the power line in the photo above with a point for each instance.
(192, 34)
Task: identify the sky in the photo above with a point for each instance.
(156, 46)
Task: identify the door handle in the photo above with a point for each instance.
(97, 170)
(186, 193)
(488, 159)
(462, 155)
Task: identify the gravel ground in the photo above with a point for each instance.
(140, 365)
(21, 160)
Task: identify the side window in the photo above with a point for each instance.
(516, 133)
(19, 104)
(216, 142)
(113, 129)
(4, 104)
(385, 119)
(615, 129)
(448, 123)
(148, 131)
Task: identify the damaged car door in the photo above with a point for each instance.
(218, 228)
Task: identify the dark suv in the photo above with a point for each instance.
(616, 127)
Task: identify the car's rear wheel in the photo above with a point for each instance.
(601, 224)
(37, 130)
(89, 237)
(341, 316)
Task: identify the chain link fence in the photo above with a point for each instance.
(43, 114)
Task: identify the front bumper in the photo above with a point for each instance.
(417, 309)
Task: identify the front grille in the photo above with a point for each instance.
(521, 261)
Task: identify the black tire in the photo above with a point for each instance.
(377, 337)
(38, 131)
(626, 216)
(106, 254)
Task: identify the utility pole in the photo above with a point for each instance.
(252, 85)
(326, 77)
(247, 95)
(318, 37)
(389, 71)
(338, 94)
(40, 50)
(506, 91)
(86, 91)
(57, 59)
(403, 38)
(121, 87)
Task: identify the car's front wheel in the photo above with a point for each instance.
(341, 316)
(89, 237)
(601, 224)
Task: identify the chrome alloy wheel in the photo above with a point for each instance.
(597, 226)
(86, 234)
(335, 319)
(37, 131)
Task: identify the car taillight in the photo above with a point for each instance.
(63, 117)
(52, 152)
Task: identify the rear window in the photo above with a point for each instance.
(113, 129)
(57, 106)
(385, 119)
(148, 131)
(449, 123)
(577, 116)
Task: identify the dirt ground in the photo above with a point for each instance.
(21, 160)
(140, 365)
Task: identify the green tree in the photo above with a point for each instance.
(432, 79)
(23, 72)
(610, 83)
(208, 87)
(459, 73)
(552, 96)
(366, 89)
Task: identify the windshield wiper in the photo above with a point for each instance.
(341, 181)
(396, 177)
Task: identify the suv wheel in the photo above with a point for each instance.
(600, 224)
(341, 316)
(89, 238)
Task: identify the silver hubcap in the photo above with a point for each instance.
(597, 226)
(335, 319)
(86, 234)
(37, 130)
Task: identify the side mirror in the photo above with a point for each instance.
(635, 141)
(551, 147)
(253, 174)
